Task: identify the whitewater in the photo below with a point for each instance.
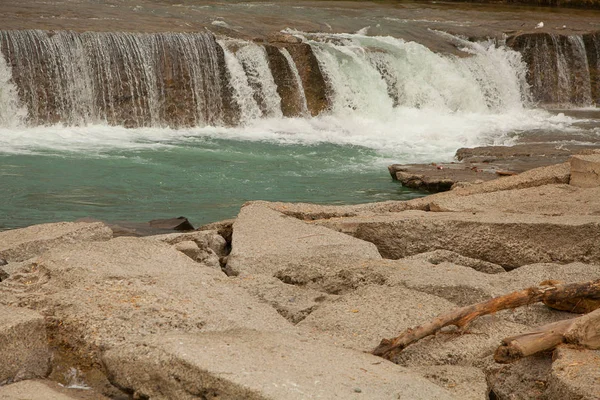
(390, 101)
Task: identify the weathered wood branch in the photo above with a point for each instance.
(461, 317)
(583, 331)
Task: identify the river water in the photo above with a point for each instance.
(391, 101)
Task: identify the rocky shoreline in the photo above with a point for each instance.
(286, 301)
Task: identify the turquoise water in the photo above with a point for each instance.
(204, 179)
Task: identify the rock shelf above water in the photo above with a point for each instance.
(317, 286)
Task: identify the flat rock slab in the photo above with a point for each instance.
(362, 318)
(21, 244)
(45, 390)
(545, 200)
(103, 294)
(247, 364)
(575, 374)
(509, 240)
(438, 177)
(23, 345)
(266, 241)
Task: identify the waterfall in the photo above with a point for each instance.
(11, 113)
(297, 81)
(191, 79)
(125, 79)
(253, 59)
(559, 69)
(376, 74)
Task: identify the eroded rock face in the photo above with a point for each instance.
(266, 241)
(585, 171)
(23, 345)
(21, 244)
(510, 240)
(248, 364)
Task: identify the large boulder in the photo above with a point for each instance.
(546, 200)
(266, 241)
(21, 244)
(102, 294)
(23, 345)
(249, 364)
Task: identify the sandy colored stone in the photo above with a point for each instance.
(21, 244)
(248, 364)
(470, 347)
(205, 256)
(292, 302)
(223, 228)
(467, 383)
(509, 240)
(525, 379)
(575, 374)
(585, 171)
(362, 318)
(45, 390)
(102, 294)
(545, 200)
(438, 256)
(23, 345)
(204, 239)
(266, 241)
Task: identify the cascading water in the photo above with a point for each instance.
(126, 126)
(117, 78)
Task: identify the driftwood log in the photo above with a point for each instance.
(582, 331)
(461, 317)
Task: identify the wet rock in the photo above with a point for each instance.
(509, 240)
(266, 241)
(439, 256)
(585, 171)
(465, 383)
(23, 345)
(545, 200)
(438, 177)
(315, 87)
(250, 364)
(525, 379)
(176, 224)
(21, 244)
(575, 374)
(287, 87)
(279, 37)
(45, 390)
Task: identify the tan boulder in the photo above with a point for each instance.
(266, 241)
(46, 390)
(248, 364)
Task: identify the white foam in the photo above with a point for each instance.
(409, 135)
